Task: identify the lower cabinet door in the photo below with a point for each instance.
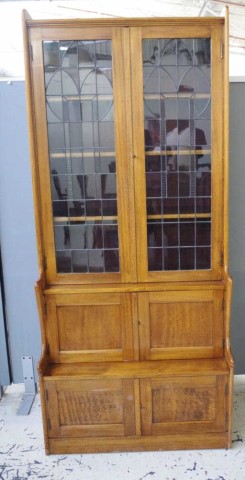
(183, 405)
(90, 408)
(181, 324)
(90, 327)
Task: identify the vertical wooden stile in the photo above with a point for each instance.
(32, 141)
(226, 138)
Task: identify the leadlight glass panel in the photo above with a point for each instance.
(80, 119)
(177, 115)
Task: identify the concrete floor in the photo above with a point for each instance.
(22, 454)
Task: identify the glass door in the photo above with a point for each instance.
(179, 206)
(86, 158)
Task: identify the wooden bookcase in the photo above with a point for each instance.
(128, 123)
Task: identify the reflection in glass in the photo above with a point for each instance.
(93, 207)
(187, 233)
(154, 206)
(109, 207)
(79, 261)
(63, 260)
(171, 233)
(79, 246)
(203, 233)
(111, 260)
(155, 234)
(153, 184)
(187, 258)
(80, 119)
(184, 184)
(95, 260)
(60, 209)
(110, 236)
(203, 260)
(186, 79)
(155, 258)
(177, 132)
(171, 259)
(56, 136)
(58, 166)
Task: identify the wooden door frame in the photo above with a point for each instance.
(40, 156)
(216, 34)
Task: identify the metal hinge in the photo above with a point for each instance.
(31, 52)
(46, 395)
(221, 49)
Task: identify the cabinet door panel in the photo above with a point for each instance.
(84, 162)
(181, 324)
(183, 404)
(90, 327)
(177, 111)
(90, 408)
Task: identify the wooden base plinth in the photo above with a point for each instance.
(136, 444)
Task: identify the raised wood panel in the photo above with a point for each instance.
(184, 402)
(90, 327)
(181, 324)
(183, 405)
(90, 408)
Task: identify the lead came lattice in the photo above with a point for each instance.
(79, 96)
(177, 109)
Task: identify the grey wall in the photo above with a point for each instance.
(237, 221)
(17, 233)
(4, 366)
